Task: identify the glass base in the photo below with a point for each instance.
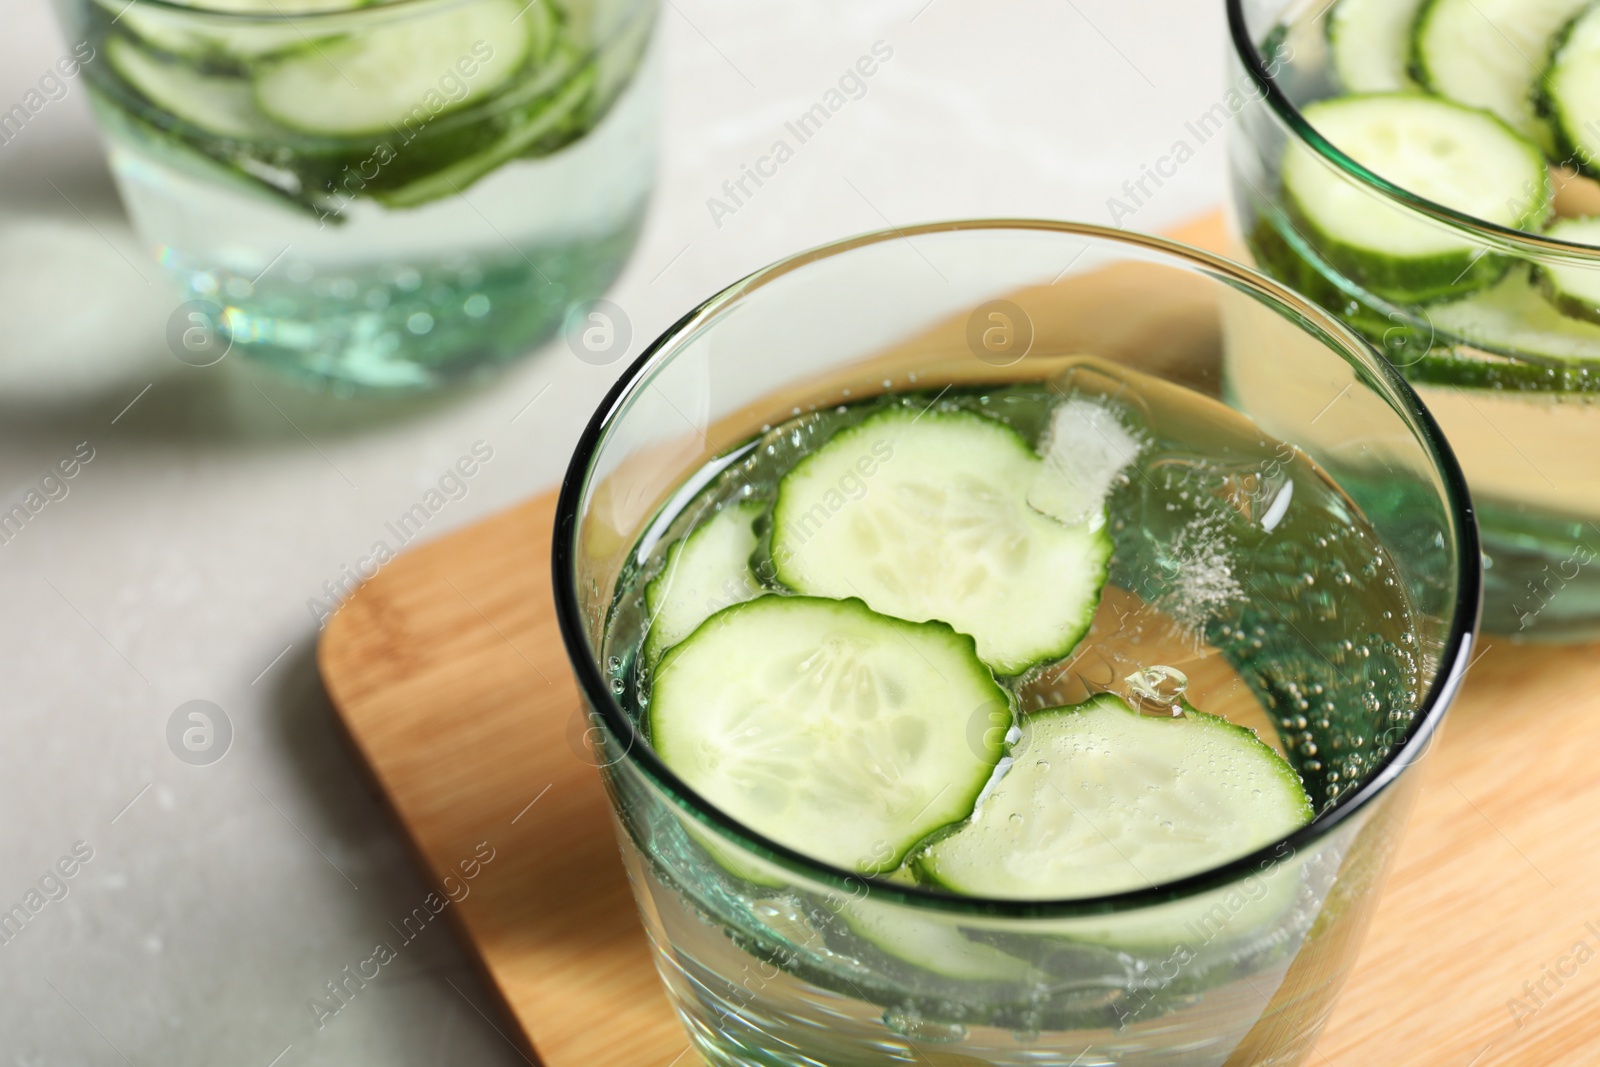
(410, 327)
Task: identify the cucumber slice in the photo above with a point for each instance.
(1461, 371)
(1574, 290)
(208, 158)
(935, 945)
(706, 570)
(1545, 350)
(185, 35)
(1452, 155)
(1371, 44)
(1489, 54)
(1099, 799)
(272, 7)
(214, 104)
(1515, 319)
(839, 732)
(925, 515)
(537, 129)
(625, 43)
(375, 82)
(1570, 93)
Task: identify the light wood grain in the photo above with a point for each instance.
(448, 672)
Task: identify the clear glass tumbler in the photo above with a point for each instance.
(1512, 378)
(376, 196)
(773, 958)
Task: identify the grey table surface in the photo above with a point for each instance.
(219, 899)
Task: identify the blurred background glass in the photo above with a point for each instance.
(1514, 381)
(377, 196)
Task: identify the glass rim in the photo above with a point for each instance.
(595, 690)
(1256, 65)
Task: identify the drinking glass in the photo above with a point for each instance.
(376, 197)
(1514, 382)
(771, 957)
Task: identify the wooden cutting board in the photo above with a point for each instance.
(448, 672)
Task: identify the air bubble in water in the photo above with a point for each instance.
(1158, 691)
(914, 1026)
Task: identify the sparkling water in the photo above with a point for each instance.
(1244, 581)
